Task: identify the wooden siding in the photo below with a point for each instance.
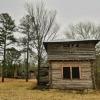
(75, 84)
(85, 80)
(44, 77)
(59, 52)
(71, 54)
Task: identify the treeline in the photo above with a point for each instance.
(19, 71)
(38, 25)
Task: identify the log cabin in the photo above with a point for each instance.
(71, 63)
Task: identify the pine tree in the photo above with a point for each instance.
(7, 28)
(26, 40)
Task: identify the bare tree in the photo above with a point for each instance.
(43, 25)
(81, 30)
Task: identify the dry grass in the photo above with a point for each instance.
(20, 90)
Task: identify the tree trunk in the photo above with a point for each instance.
(4, 61)
(27, 68)
(27, 65)
(15, 71)
(3, 73)
(39, 64)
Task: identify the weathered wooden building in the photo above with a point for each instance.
(71, 63)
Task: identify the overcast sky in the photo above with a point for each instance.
(68, 11)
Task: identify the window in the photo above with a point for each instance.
(74, 45)
(77, 45)
(75, 73)
(66, 72)
(71, 73)
(66, 45)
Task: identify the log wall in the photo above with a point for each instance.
(71, 54)
(85, 80)
(62, 52)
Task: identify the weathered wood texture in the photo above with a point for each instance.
(60, 51)
(71, 54)
(44, 77)
(85, 80)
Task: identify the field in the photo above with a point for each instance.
(18, 89)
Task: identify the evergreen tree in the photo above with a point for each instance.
(7, 28)
(26, 41)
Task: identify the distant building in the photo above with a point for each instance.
(71, 64)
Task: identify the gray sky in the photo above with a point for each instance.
(68, 11)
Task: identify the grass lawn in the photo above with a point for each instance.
(18, 89)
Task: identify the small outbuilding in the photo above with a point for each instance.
(71, 63)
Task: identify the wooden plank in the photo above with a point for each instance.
(73, 84)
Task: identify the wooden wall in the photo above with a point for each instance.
(72, 54)
(85, 80)
(61, 51)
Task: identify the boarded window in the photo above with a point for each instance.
(66, 45)
(75, 73)
(74, 45)
(66, 72)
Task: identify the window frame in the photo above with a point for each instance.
(63, 73)
(71, 73)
